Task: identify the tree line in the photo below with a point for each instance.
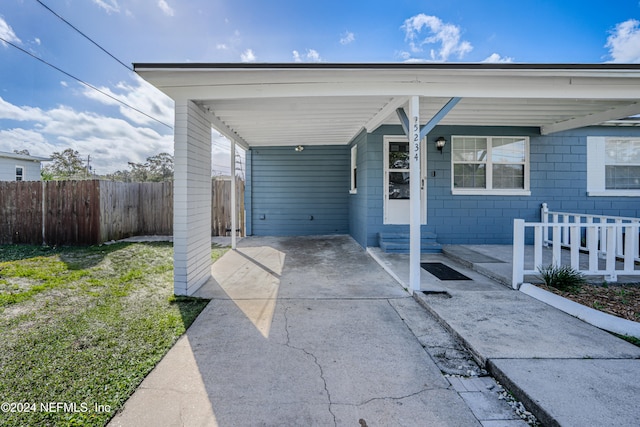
(69, 164)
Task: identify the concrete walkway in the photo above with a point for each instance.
(565, 371)
(304, 332)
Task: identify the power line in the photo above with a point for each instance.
(85, 36)
(84, 83)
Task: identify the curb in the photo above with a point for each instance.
(594, 317)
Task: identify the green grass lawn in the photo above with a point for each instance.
(81, 328)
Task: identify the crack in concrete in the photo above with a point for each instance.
(315, 360)
(373, 399)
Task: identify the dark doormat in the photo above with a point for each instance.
(443, 272)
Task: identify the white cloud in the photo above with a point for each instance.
(495, 58)
(311, 55)
(37, 41)
(222, 46)
(437, 32)
(24, 139)
(164, 6)
(9, 111)
(347, 37)
(142, 96)
(624, 42)
(7, 33)
(108, 5)
(111, 142)
(248, 56)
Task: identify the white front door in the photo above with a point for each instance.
(396, 181)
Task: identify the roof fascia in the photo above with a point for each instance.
(225, 85)
(25, 157)
(385, 66)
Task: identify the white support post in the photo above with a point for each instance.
(517, 276)
(192, 198)
(415, 212)
(234, 208)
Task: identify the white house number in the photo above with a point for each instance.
(416, 139)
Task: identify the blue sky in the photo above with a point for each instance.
(44, 110)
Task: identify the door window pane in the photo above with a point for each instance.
(399, 187)
(399, 155)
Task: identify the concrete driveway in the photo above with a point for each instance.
(301, 331)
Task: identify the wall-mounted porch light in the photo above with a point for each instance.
(440, 143)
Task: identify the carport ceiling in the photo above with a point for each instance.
(319, 104)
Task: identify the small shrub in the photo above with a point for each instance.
(561, 277)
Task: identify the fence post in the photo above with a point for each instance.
(518, 253)
(44, 213)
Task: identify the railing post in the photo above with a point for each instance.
(518, 253)
(556, 246)
(611, 255)
(631, 236)
(544, 217)
(619, 250)
(592, 246)
(575, 247)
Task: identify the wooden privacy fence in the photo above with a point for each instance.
(90, 212)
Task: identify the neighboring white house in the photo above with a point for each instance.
(20, 167)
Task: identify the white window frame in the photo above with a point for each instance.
(526, 191)
(353, 170)
(23, 172)
(596, 177)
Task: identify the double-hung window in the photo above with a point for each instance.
(613, 166)
(490, 165)
(19, 173)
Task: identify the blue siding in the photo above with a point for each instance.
(298, 193)
(287, 188)
(358, 202)
(558, 168)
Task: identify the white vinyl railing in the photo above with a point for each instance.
(589, 239)
(585, 239)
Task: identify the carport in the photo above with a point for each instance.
(263, 105)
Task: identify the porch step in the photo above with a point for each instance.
(399, 243)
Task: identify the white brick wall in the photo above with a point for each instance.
(192, 198)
